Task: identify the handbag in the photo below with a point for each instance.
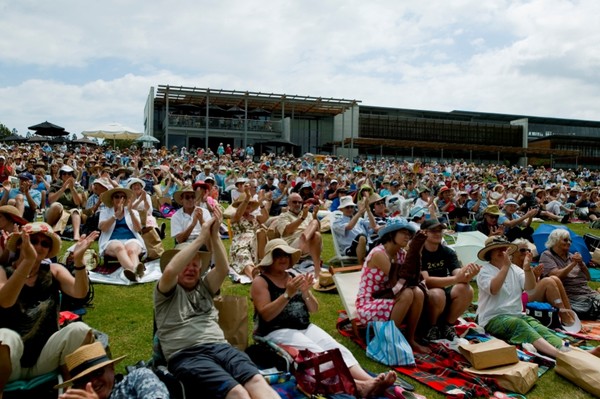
(233, 319)
(387, 345)
(581, 368)
(544, 313)
(323, 373)
(154, 245)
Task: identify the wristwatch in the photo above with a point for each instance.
(286, 296)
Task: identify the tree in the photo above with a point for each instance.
(74, 137)
(4, 131)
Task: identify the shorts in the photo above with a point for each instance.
(214, 368)
(521, 329)
(351, 250)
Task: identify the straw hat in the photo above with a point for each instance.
(35, 228)
(492, 210)
(86, 359)
(177, 195)
(135, 180)
(12, 213)
(169, 254)
(375, 198)
(241, 199)
(494, 243)
(279, 243)
(107, 195)
(325, 282)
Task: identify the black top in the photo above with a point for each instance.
(440, 263)
(294, 315)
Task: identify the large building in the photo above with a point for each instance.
(196, 117)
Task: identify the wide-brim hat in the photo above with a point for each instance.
(281, 244)
(395, 224)
(573, 328)
(103, 182)
(375, 198)
(177, 195)
(86, 359)
(494, 243)
(107, 195)
(325, 283)
(135, 180)
(169, 254)
(492, 210)
(36, 228)
(12, 213)
(345, 202)
(241, 199)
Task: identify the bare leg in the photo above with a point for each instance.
(118, 250)
(436, 302)
(361, 249)
(261, 241)
(460, 297)
(371, 386)
(545, 347)
(53, 213)
(547, 290)
(76, 223)
(313, 247)
(258, 388)
(409, 305)
(20, 203)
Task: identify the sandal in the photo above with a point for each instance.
(397, 392)
(130, 275)
(140, 269)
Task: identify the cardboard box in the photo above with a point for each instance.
(492, 353)
(519, 377)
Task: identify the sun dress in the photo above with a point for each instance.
(373, 280)
(243, 244)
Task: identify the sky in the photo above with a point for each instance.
(82, 64)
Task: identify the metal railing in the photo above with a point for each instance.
(218, 123)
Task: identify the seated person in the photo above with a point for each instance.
(93, 376)
(350, 228)
(187, 222)
(489, 225)
(187, 321)
(500, 309)
(94, 204)
(280, 197)
(283, 303)
(476, 203)
(31, 343)
(377, 207)
(120, 236)
(573, 272)
(25, 198)
(515, 225)
(448, 291)
(66, 199)
(548, 289)
(386, 291)
(9, 216)
(301, 229)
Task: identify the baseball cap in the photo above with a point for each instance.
(26, 176)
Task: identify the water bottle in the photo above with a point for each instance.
(39, 215)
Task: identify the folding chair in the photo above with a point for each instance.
(339, 258)
(41, 386)
(347, 287)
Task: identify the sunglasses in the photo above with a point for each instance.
(188, 197)
(119, 196)
(42, 243)
(523, 250)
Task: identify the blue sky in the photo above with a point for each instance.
(84, 64)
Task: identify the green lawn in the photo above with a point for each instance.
(125, 314)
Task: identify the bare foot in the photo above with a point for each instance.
(417, 348)
(375, 386)
(566, 317)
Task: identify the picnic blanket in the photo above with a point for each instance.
(117, 277)
(595, 273)
(440, 370)
(590, 330)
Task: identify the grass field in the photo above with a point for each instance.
(125, 314)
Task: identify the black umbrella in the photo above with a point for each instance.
(48, 129)
(260, 110)
(14, 138)
(84, 140)
(235, 110)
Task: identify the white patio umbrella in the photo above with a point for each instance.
(147, 140)
(114, 131)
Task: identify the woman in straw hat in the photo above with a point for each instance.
(31, 342)
(93, 377)
(120, 228)
(500, 310)
(283, 302)
(389, 282)
(249, 238)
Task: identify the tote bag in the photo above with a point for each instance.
(387, 345)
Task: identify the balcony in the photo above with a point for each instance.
(219, 123)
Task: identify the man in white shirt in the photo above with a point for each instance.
(186, 223)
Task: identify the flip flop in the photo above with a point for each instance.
(397, 392)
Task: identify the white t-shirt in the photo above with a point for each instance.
(507, 301)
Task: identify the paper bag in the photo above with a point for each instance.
(233, 319)
(154, 245)
(492, 353)
(519, 377)
(581, 368)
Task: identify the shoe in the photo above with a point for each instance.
(565, 219)
(163, 227)
(448, 332)
(139, 270)
(433, 334)
(130, 275)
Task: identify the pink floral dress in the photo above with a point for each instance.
(373, 280)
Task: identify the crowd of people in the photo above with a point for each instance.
(389, 214)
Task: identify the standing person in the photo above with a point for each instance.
(187, 321)
(382, 295)
(31, 342)
(448, 291)
(120, 236)
(283, 303)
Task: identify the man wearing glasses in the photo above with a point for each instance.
(186, 223)
(449, 292)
